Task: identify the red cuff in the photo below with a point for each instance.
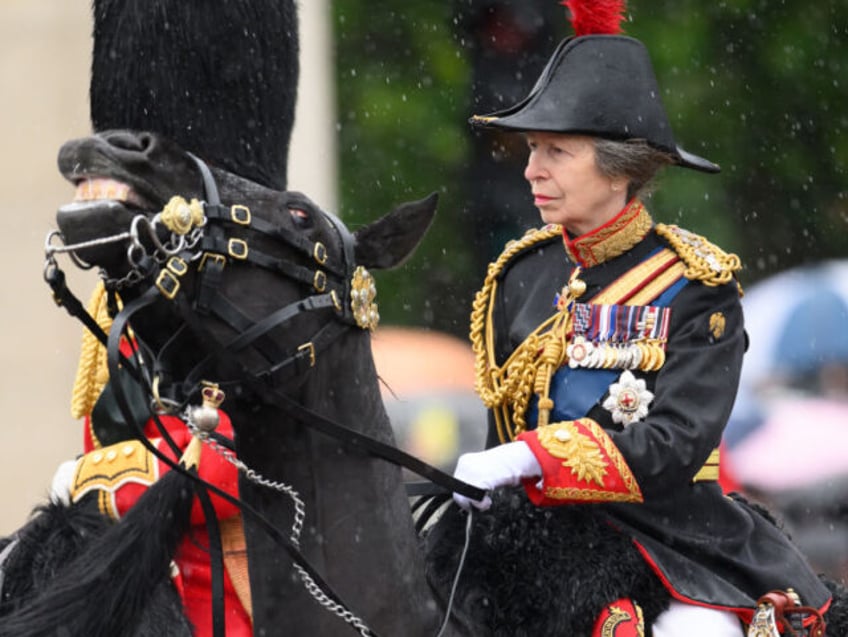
(580, 463)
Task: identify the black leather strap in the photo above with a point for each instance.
(354, 439)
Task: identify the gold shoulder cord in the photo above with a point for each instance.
(705, 261)
(512, 384)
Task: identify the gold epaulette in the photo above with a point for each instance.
(106, 470)
(705, 261)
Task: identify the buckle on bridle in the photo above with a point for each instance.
(240, 214)
(213, 257)
(319, 281)
(319, 253)
(311, 348)
(237, 248)
(168, 284)
(177, 265)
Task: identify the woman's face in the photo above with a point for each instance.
(567, 186)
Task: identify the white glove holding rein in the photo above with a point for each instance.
(501, 466)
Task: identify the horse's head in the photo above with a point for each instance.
(245, 271)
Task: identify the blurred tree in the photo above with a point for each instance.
(402, 84)
(507, 43)
(758, 86)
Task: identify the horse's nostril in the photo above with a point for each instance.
(129, 141)
(145, 141)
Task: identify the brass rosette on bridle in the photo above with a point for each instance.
(180, 216)
(363, 291)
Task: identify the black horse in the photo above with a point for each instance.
(261, 303)
(258, 300)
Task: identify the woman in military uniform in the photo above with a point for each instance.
(609, 349)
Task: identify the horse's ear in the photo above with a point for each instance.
(389, 241)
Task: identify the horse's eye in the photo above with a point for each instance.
(300, 217)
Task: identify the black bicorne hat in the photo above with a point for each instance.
(602, 86)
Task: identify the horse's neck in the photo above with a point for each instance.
(342, 387)
(357, 519)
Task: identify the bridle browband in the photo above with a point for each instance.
(212, 246)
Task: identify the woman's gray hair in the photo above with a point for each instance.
(633, 159)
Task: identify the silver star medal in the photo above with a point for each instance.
(628, 399)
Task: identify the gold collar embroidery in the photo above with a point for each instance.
(615, 237)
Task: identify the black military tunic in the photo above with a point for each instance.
(646, 475)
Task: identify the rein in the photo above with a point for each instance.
(206, 241)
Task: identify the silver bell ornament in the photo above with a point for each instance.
(206, 416)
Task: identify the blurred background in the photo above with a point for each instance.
(758, 86)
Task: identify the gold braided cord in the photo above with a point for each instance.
(513, 382)
(92, 369)
(705, 261)
(89, 381)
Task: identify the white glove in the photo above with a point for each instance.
(60, 488)
(501, 466)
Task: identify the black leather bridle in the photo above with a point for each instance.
(330, 282)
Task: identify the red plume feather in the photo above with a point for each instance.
(595, 16)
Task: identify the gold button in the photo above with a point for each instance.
(97, 457)
(577, 287)
(128, 450)
(111, 455)
(562, 435)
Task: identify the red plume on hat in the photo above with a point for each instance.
(595, 17)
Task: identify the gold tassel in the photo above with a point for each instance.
(191, 456)
(92, 372)
(550, 360)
